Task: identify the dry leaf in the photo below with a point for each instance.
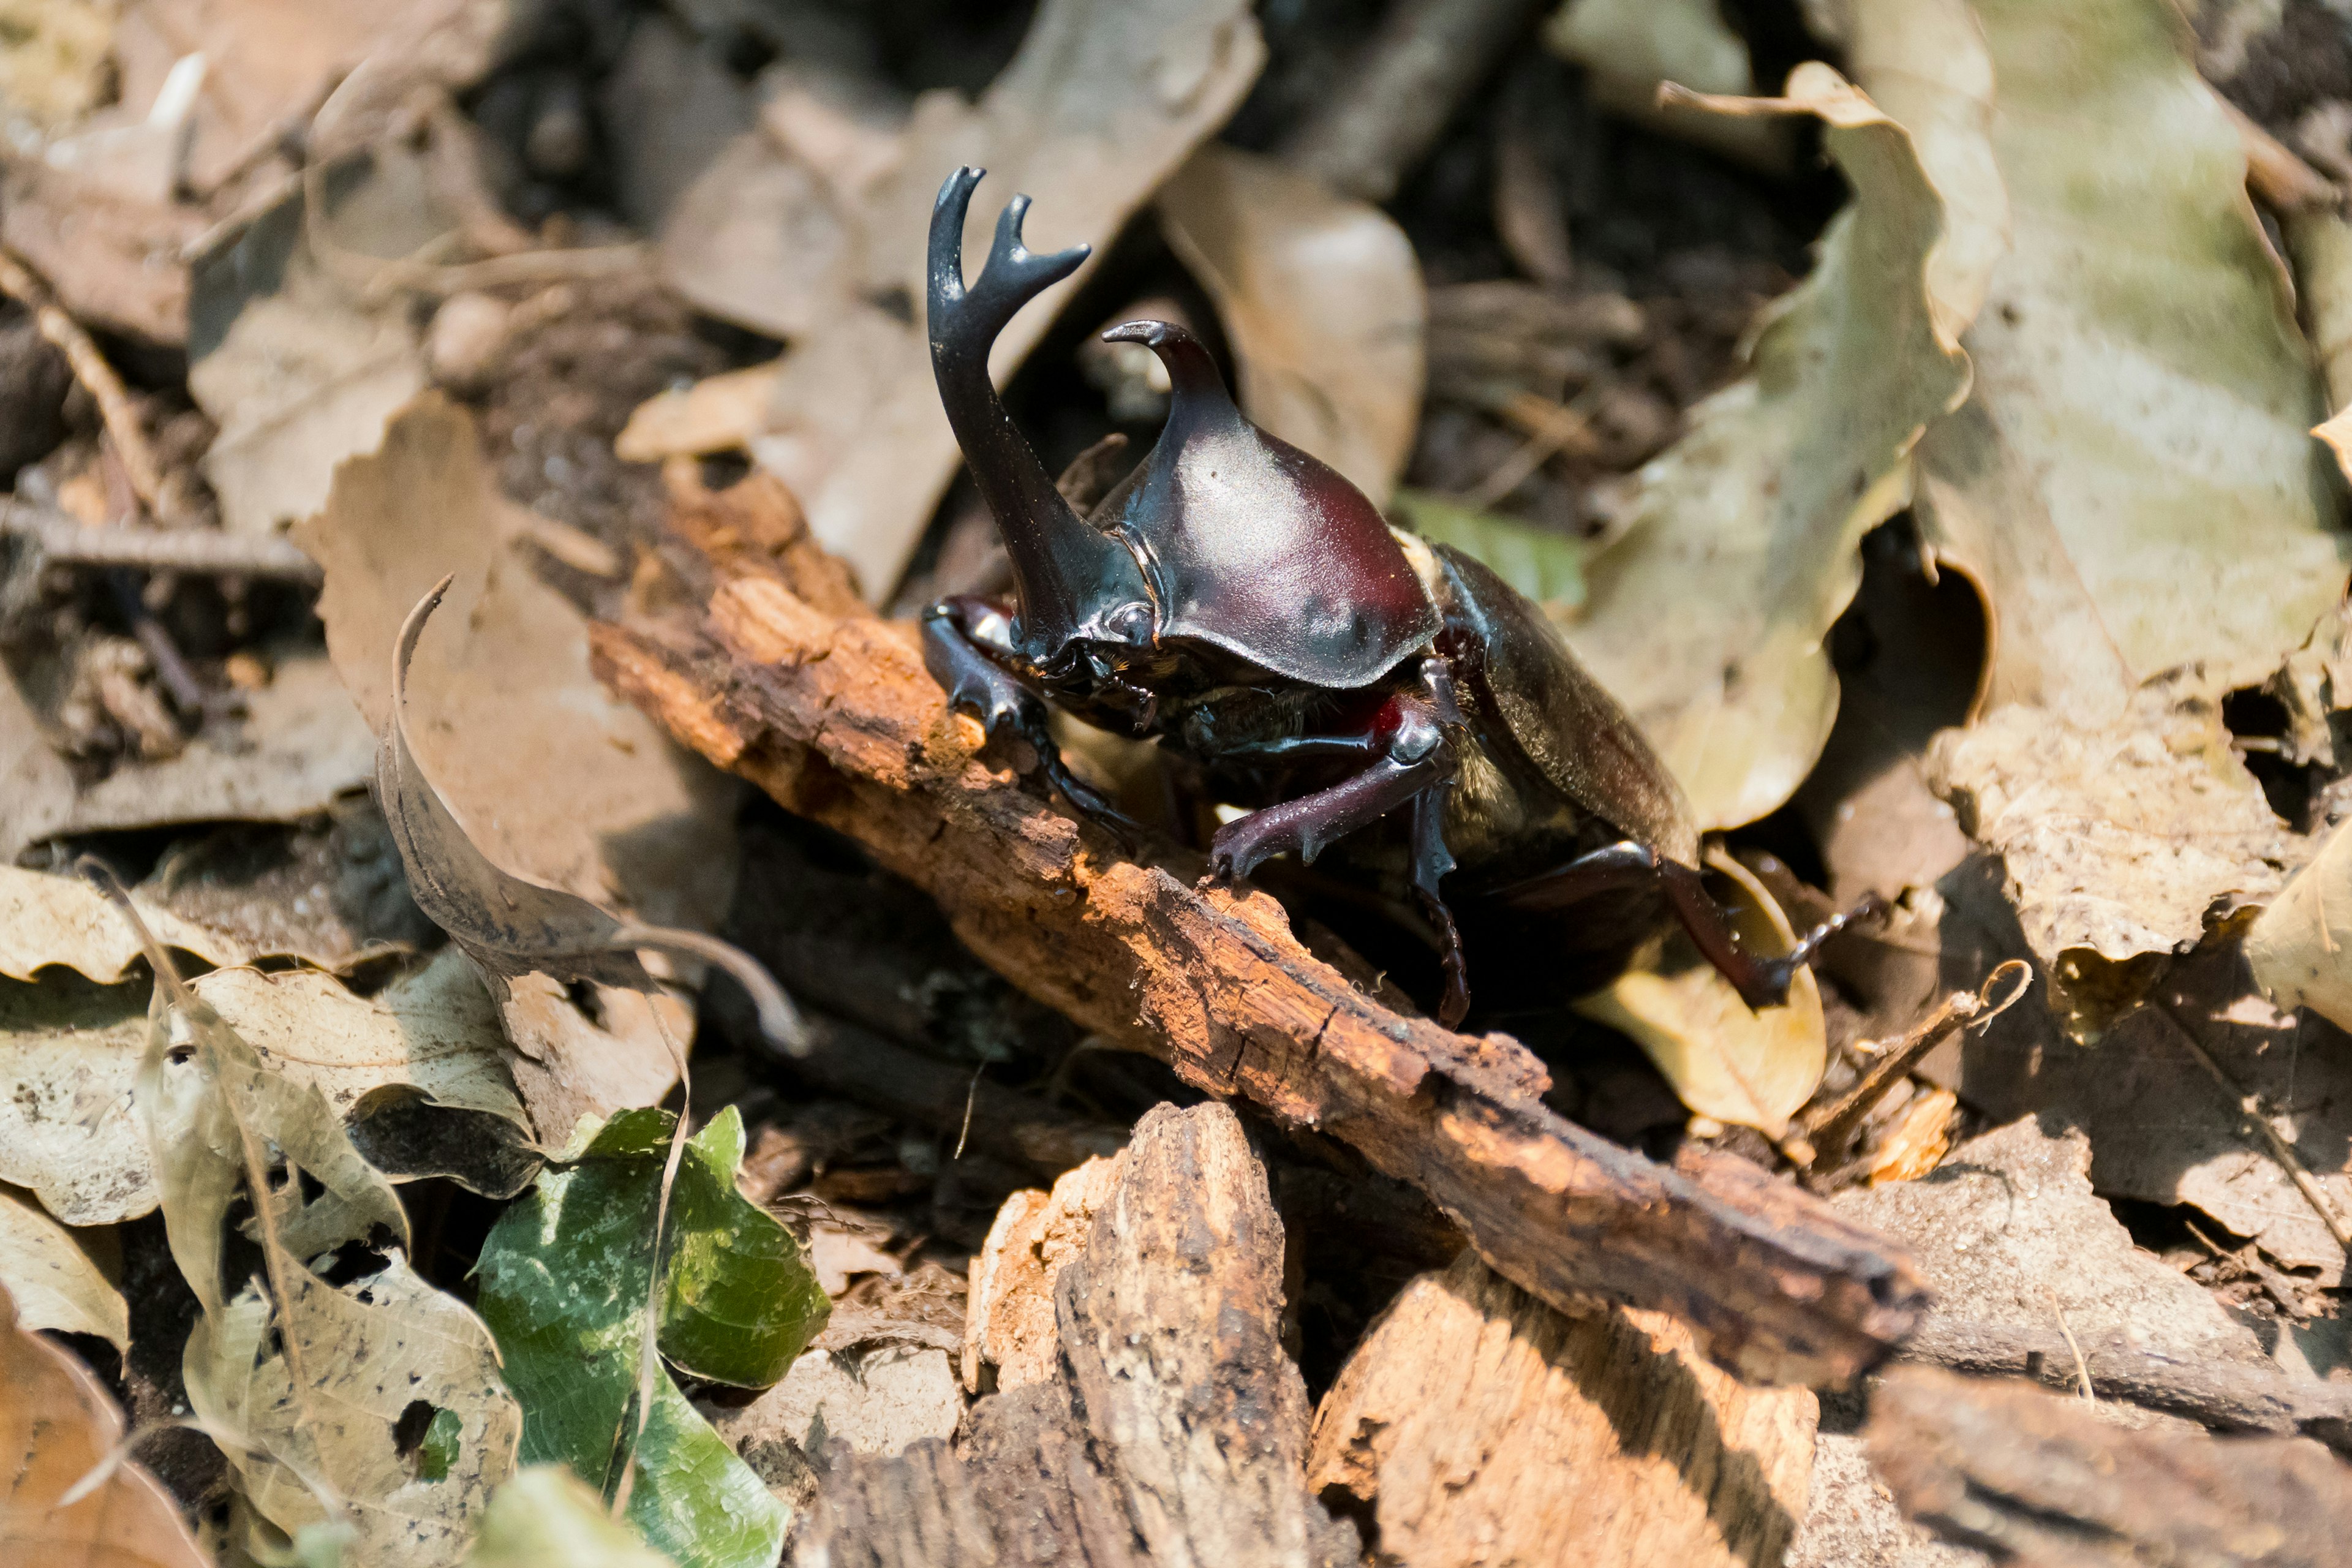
(2131, 483)
(70, 1131)
(378, 1355)
(2301, 950)
(1321, 300)
(1751, 1068)
(873, 1400)
(563, 782)
(297, 365)
(2133, 839)
(48, 920)
(56, 1283)
(717, 413)
(1706, 616)
(1104, 100)
(58, 1424)
(300, 745)
(1916, 1143)
(1632, 46)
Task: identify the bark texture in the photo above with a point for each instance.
(761, 665)
(1474, 1425)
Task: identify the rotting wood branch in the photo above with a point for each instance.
(766, 665)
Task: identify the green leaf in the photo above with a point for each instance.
(564, 1280)
(1547, 567)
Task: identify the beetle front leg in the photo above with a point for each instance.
(967, 655)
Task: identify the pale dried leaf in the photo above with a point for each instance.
(2129, 839)
(717, 413)
(57, 1283)
(57, 1424)
(1707, 617)
(546, 1517)
(372, 1350)
(2131, 484)
(48, 920)
(1632, 46)
(1724, 1061)
(1104, 100)
(54, 69)
(1321, 300)
(2299, 947)
(873, 1400)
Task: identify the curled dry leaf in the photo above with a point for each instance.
(1751, 1068)
(507, 926)
(565, 1279)
(546, 1515)
(1104, 100)
(57, 1424)
(56, 1281)
(48, 920)
(2118, 843)
(1706, 616)
(1321, 300)
(2131, 483)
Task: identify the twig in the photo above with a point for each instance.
(2219, 1394)
(1562, 427)
(1428, 55)
(91, 369)
(195, 551)
(2082, 1367)
(2250, 1108)
(1828, 1129)
(2274, 171)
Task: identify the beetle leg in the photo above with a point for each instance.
(972, 667)
(1431, 862)
(1414, 757)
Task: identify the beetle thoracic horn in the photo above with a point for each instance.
(1060, 566)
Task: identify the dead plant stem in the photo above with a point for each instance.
(91, 370)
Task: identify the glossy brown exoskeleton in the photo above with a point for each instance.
(1242, 602)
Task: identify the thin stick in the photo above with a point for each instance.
(2082, 1367)
(1828, 1129)
(199, 551)
(2250, 1108)
(91, 369)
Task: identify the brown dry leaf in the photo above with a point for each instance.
(2131, 483)
(57, 1422)
(562, 782)
(1750, 1069)
(47, 919)
(1321, 300)
(569, 1066)
(2120, 845)
(1632, 46)
(300, 745)
(55, 1279)
(1104, 100)
(1920, 1138)
(1707, 615)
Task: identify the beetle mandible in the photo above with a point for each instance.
(1239, 600)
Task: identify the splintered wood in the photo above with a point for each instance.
(1476, 1425)
(762, 663)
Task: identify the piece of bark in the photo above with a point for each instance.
(834, 717)
(1174, 1428)
(1008, 1324)
(1477, 1425)
(2211, 1392)
(2044, 1482)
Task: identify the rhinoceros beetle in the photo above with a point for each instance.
(1243, 603)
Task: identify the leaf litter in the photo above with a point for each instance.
(2046, 336)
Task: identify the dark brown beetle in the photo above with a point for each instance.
(1243, 603)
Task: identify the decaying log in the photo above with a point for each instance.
(830, 711)
(2042, 1481)
(2225, 1397)
(1173, 1429)
(1476, 1425)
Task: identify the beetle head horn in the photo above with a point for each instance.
(1191, 372)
